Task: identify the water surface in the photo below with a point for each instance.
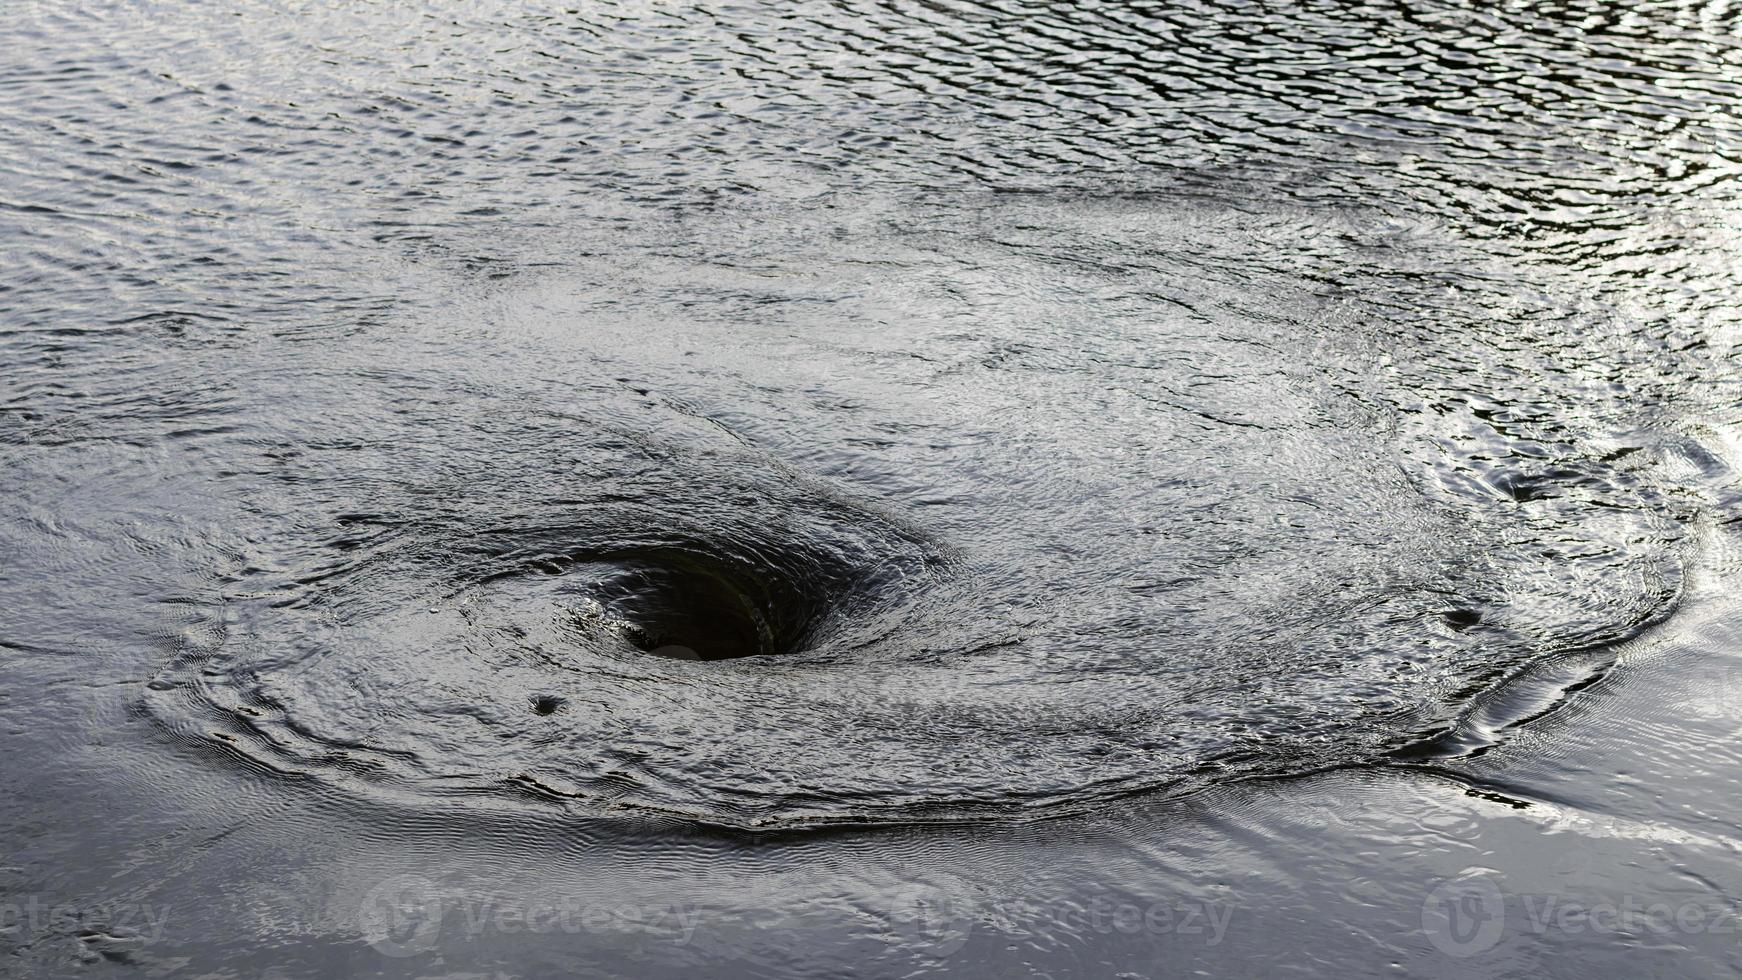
(649, 420)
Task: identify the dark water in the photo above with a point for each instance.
(529, 455)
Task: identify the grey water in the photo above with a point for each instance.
(859, 488)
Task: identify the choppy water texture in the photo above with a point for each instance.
(850, 412)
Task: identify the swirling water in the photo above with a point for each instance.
(853, 412)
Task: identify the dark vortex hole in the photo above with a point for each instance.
(1461, 619)
(690, 612)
